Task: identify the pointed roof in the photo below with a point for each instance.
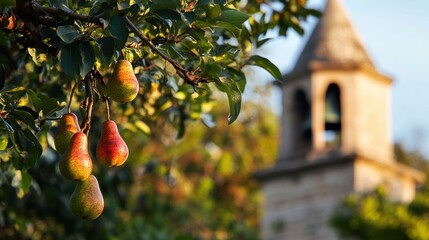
(333, 44)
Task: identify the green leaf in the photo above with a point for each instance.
(23, 142)
(203, 3)
(34, 152)
(213, 11)
(265, 64)
(88, 58)
(37, 102)
(164, 4)
(229, 27)
(210, 68)
(262, 42)
(68, 33)
(25, 181)
(231, 89)
(238, 76)
(233, 17)
(107, 48)
(168, 14)
(24, 117)
(119, 30)
(71, 60)
(7, 125)
(4, 140)
(51, 105)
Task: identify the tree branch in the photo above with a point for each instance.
(188, 76)
(60, 12)
(183, 73)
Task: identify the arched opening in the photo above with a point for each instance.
(302, 122)
(332, 132)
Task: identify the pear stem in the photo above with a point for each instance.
(89, 102)
(71, 97)
(107, 108)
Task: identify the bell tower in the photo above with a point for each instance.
(335, 137)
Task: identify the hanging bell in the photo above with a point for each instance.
(332, 109)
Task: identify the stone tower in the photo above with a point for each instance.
(335, 136)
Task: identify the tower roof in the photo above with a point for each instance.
(333, 44)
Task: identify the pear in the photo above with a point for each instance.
(123, 85)
(111, 148)
(66, 128)
(75, 163)
(86, 201)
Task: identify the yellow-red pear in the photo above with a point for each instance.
(123, 85)
(111, 149)
(87, 202)
(67, 127)
(75, 163)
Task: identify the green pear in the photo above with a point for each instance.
(86, 201)
(67, 127)
(75, 163)
(123, 85)
(111, 148)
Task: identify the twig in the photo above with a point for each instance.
(71, 97)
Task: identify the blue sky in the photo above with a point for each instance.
(396, 36)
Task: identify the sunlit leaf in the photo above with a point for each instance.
(232, 16)
(265, 64)
(231, 89)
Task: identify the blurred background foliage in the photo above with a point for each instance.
(373, 216)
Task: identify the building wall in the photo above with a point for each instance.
(299, 205)
(369, 175)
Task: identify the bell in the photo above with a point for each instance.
(332, 109)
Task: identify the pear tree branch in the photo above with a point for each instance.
(61, 12)
(189, 76)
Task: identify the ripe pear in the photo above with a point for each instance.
(86, 201)
(123, 85)
(66, 128)
(111, 148)
(75, 163)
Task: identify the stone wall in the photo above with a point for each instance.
(298, 205)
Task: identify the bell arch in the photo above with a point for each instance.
(333, 117)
